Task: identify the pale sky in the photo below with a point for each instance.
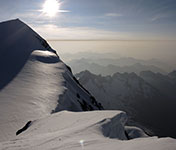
(97, 19)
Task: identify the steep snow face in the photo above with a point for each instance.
(34, 82)
(143, 102)
(97, 130)
(33, 93)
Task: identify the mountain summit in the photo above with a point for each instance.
(34, 82)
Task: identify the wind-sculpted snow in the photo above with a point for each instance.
(34, 82)
(114, 127)
(84, 130)
(134, 132)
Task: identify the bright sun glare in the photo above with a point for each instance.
(51, 7)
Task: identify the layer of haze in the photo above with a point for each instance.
(164, 51)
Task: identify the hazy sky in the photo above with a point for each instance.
(97, 19)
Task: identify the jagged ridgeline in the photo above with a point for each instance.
(34, 82)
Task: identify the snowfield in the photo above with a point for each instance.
(38, 93)
(97, 130)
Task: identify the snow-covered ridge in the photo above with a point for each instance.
(34, 82)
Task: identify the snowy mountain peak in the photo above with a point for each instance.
(17, 42)
(17, 32)
(34, 82)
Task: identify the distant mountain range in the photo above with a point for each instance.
(111, 66)
(145, 97)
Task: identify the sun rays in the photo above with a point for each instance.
(51, 8)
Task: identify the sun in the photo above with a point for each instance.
(51, 7)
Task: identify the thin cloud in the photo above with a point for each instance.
(64, 11)
(159, 16)
(54, 32)
(60, 11)
(51, 31)
(113, 15)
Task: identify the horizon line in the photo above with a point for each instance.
(110, 40)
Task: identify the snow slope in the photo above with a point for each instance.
(34, 82)
(97, 130)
